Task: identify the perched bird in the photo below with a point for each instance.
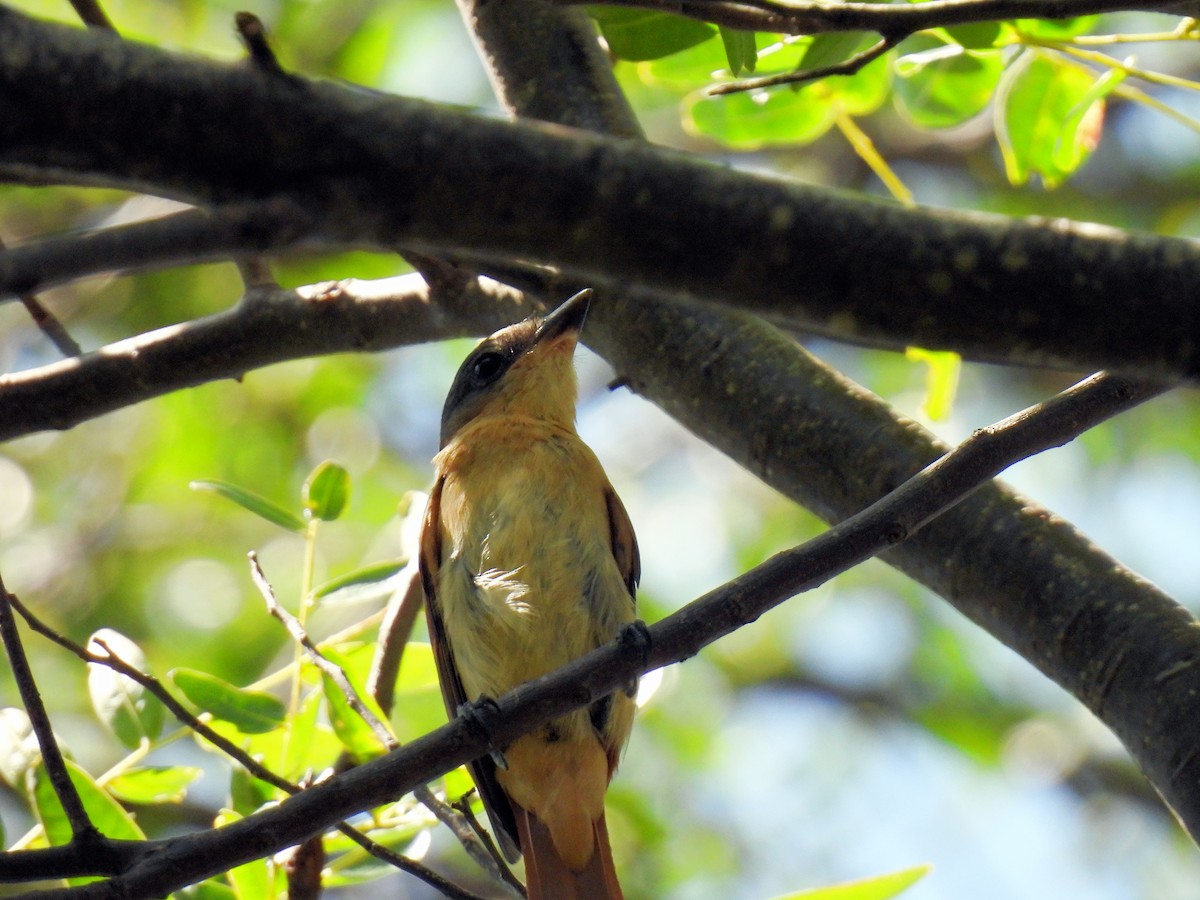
(529, 561)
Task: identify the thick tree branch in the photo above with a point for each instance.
(267, 326)
(606, 211)
(888, 19)
(169, 864)
(1118, 644)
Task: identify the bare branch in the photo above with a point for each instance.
(845, 67)
(604, 211)
(889, 19)
(254, 36)
(192, 235)
(93, 14)
(83, 832)
(268, 326)
(106, 857)
(674, 639)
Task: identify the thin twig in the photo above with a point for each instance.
(445, 814)
(678, 637)
(845, 67)
(382, 731)
(48, 323)
(193, 235)
(254, 36)
(253, 766)
(82, 830)
(394, 631)
(93, 15)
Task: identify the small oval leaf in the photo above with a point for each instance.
(19, 750)
(326, 491)
(260, 506)
(881, 887)
(154, 784)
(639, 34)
(251, 712)
(104, 812)
(367, 583)
(125, 707)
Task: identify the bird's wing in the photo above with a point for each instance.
(483, 770)
(624, 542)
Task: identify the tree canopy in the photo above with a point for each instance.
(854, 255)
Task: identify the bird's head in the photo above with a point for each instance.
(523, 370)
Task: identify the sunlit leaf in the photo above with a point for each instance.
(1056, 29)
(260, 506)
(637, 34)
(326, 491)
(1083, 126)
(213, 889)
(125, 707)
(19, 750)
(834, 47)
(105, 813)
(881, 887)
(251, 712)
(154, 784)
(976, 35)
(362, 584)
(359, 738)
(741, 50)
(941, 380)
(253, 880)
(248, 793)
(1037, 98)
(944, 85)
(754, 119)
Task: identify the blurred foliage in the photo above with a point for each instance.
(754, 768)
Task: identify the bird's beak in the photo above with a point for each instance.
(567, 319)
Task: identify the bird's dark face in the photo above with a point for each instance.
(524, 369)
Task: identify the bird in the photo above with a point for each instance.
(529, 561)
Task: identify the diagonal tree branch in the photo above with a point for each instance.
(170, 864)
(1121, 646)
(605, 211)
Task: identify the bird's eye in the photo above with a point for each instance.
(487, 368)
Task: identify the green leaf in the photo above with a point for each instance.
(976, 35)
(636, 34)
(253, 880)
(944, 85)
(19, 750)
(750, 120)
(687, 70)
(125, 707)
(356, 735)
(1081, 130)
(102, 810)
(881, 887)
(154, 784)
(1039, 97)
(252, 712)
(834, 47)
(260, 506)
(941, 380)
(213, 889)
(741, 50)
(1056, 29)
(326, 491)
(367, 583)
(248, 793)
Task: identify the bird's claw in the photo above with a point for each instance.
(478, 715)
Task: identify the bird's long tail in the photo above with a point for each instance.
(548, 877)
